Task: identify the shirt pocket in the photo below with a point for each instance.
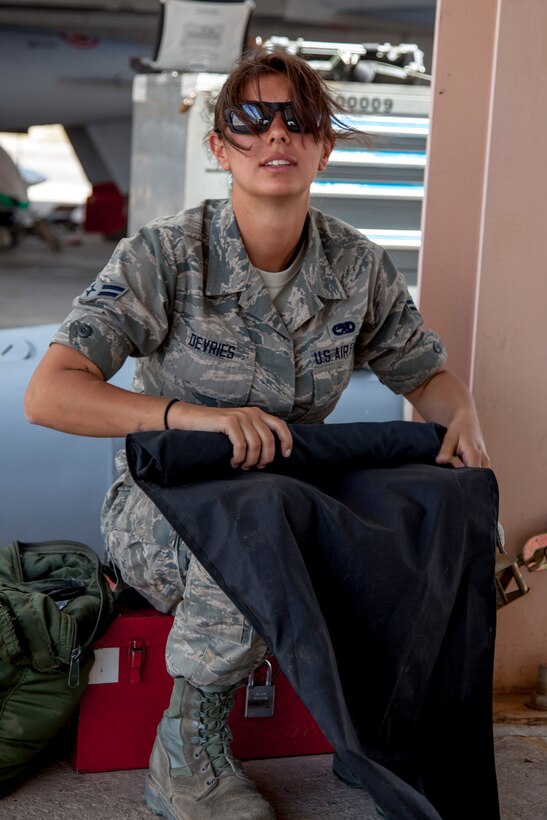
(329, 381)
(210, 371)
(324, 368)
(318, 389)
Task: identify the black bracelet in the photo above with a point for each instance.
(167, 408)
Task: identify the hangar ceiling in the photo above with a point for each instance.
(137, 19)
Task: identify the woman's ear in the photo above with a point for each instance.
(218, 149)
(327, 150)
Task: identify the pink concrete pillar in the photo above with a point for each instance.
(451, 223)
(484, 266)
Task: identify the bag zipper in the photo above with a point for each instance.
(74, 668)
(53, 546)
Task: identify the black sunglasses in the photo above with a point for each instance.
(257, 116)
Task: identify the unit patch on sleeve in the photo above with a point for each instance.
(104, 290)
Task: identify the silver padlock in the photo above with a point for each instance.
(260, 700)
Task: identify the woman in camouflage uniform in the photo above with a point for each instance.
(244, 315)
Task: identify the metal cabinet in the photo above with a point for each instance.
(376, 181)
(171, 165)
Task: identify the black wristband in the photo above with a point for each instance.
(165, 412)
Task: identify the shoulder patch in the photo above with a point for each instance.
(104, 290)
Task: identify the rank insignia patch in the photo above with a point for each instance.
(105, 290)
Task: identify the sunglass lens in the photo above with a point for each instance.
(258, 115)
(247, 119)
(290, 120)
(236, 123)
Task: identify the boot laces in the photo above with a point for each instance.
(213, 733)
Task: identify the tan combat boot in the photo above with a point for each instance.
(193, 775)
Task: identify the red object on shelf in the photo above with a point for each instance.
(129, 689)
(105, 210)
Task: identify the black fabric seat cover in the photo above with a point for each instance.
(369, 571)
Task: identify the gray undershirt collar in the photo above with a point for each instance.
(277, 281)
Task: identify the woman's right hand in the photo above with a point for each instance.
(251, 431)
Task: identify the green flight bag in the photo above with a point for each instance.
(54, 602)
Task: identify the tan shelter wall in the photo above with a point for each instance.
(483, 277)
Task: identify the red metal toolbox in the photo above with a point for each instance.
(129, 689)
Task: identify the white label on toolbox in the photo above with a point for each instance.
(106, 668)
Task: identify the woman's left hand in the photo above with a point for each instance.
(444, 399)
(463, 444)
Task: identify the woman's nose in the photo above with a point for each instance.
(278, 129)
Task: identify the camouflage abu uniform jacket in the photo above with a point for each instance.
(183, 297)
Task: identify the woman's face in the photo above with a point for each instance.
(278, 163)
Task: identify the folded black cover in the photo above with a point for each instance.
(369, 571)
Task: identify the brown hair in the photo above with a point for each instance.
(314, 107)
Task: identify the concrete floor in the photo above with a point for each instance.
(299, 788)
(37, 285)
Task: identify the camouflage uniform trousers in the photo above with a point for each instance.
(210, 643)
